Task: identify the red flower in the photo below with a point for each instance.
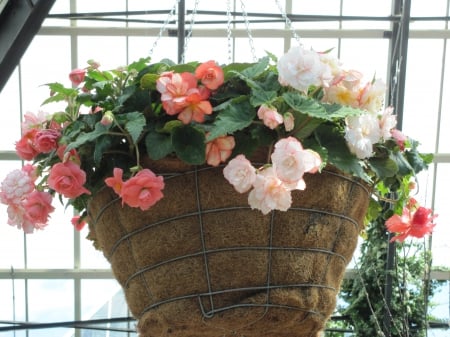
(415, 221)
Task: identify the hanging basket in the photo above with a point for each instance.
(202, 263)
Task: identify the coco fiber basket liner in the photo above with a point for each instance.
(202, 263)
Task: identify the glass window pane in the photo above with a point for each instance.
(91, 258)
(422, 9)
(10, 116)
(422, 91)
(380, 8)
(109, 51)
(50, 301)
(318, 7)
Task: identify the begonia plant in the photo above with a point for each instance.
(304, 108)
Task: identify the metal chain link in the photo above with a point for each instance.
(230, 51)
(288, 22)
(164, 27)
(249, 32)
(189, 33)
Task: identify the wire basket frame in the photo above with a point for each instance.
(215, 267)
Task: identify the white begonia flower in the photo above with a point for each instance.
(361, 133)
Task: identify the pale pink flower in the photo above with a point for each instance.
(142, 190)
(349, 79)
(333, 63)
(16, 185)
(361, 133)
(269, 192)
(16, 215)
(372, 96)
(107, 119)
(210, 74)
(301, 68)
(33, 121)
(388, 121)
(289, 121)
(291, 162)
(240, 173)
(67, 179)
(38, 206)
(219, 150)
(341, 95)
(416, 221)
(270, 116)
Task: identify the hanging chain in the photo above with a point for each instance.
(249, 32)
(230, 51)
(288, 22)
(189, 33)
(164, 27)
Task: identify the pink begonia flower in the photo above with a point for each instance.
(349, 79)
(25, 147)
(361, 133)
(210, 74)
(301, 68)
(388, 122)
(78, 222)
(195, 109)
(289, 121)
(115, 182)
(240, 173)
(174, 88)
(270, 116)
(16, 217)
(67, 179)
(291, 162)
(16, 185)
(107, 119)
(38, 206)
(46, 140)
(372, 96)
(415, 221)
(142, 190)
(400, 138)
(76, 76)
(219, 150)
(269, 192)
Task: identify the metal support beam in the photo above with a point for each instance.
(20, 20)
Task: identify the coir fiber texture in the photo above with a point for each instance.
(201, 263)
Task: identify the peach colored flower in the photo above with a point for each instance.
(174, 88)
(371, 97)
(38, 206)
(388, 121)
(219, 150)
(240, 173)
(269, 192)
(46, 140)
(25, 147)
(210, 74)
(291, 162)
(76, 76)
(270, 116)
(142, 190)
(115, 182)
(67, 179)
(195, 110)
(415, 221)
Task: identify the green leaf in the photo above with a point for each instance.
(55, 98)
(59, 88)
(102, 144)
(304, 125)
(260, 97)
(83, 138)
(341, 111)
(148, 81)
(236, 116)
(256, 69)
(135, 124)
(306, 105)
(339, 154)
(139, 65)
(383, 167)
(189, 144)
(158, 145)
